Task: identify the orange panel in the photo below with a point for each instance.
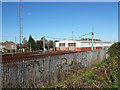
(78, 49)
(57, 48)
(66, 49)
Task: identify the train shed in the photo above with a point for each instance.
(81, 45)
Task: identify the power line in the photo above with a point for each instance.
(56, 38)
(83, 35)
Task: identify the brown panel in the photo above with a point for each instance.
(86, 49)
(98, 47)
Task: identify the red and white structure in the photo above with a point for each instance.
(81, 45)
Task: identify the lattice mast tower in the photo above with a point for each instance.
(20, 22)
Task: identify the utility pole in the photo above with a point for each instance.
(53, 44)
(30, 46)
(95, 44)
(48, 45)
(15, 46)
(20, 22)
(10, 48)
(73, 41)
(43, 44)
(92, 39)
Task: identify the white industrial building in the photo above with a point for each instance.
(81, 45)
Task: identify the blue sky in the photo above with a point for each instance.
(59, 19)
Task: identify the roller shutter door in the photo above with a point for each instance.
(72, 46)
(62, 46)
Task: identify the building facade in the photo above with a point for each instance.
(80, 45)
(7, 46)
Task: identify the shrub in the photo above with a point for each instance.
(114, 50)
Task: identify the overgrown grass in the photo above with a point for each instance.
(104, 75)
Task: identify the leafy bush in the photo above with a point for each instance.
(114, 50)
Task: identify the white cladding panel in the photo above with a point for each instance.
(64, 41)
(78, 44)
(84, 43)
(57, 44)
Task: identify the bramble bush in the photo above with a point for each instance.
(114, 50)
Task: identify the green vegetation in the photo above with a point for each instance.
(114, 50)
(38, 45)
(31, 43)
(103, 75)
(51, 44)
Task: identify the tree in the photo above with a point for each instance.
(50, 43)
(39, 45)
(56, 41)
(31, 43)
(24, 42)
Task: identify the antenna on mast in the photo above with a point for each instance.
(20, 22)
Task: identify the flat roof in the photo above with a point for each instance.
(82, 41)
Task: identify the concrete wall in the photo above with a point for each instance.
(40, 72)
